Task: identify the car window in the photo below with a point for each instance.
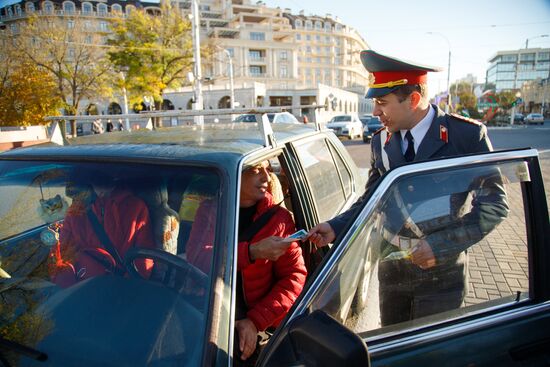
(473, 219)
(341, 118)
(343, 171)
(88, 248)
(322, 176)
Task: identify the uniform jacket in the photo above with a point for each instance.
(270, 287)
(125, 219)
(462, 136)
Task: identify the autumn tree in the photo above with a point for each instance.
(69, 50)
(467, 99)
(155, 52)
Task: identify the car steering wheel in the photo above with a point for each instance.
(172, 264)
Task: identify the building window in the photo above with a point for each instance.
(17, 9)
(308, 24)
(255, 70)
(103, 26)
(70, 24)
(298, 23)
(231, 51)
(68, 7)
(71, 52)
(338, 27)
(48, 7)
(255, 54)
(101, 9)
(257, 36)
(318, 25)
(29, 7)
(13, 27)
(284, 55)
(298, 37)
(284, 71)
(318, 38)
(88, 39)
(308, 37)
(87, 8)
(116, 8)
(543, 56)
(308, 49)
(327, 27)
(130, 8)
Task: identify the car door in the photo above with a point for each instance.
(488, 210)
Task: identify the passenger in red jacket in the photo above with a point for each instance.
(271, 271)
(125, 220)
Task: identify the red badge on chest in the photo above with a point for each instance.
(443, 133)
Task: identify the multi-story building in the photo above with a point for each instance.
(509, 70)
(278, 58)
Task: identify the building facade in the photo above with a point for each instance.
(509, 70)
(277, 57)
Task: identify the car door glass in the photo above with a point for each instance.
(344, 172)
(322, 176)
(473, 220)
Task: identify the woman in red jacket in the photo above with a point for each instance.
(271, 271)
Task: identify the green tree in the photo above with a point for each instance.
(155, 51)
(68, 49)
(467, 99)
(506, 98)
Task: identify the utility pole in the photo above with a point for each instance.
(448, 105)
(195, 25)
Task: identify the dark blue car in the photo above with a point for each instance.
(371, 126)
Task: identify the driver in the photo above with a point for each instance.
(102, 223)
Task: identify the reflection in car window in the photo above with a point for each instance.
(321, 173)
(87, 248)
(480, 249)
(345, 175)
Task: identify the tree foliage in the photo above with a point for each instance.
(67, 49)
(155, 51)
(28, 96)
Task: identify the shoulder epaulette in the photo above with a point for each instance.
(378, 131)
(466, 119)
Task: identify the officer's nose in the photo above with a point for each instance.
(377, 111)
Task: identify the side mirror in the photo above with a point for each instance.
(315, 340)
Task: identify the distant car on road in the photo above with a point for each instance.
(274, 118)
(534, 118)
(365, 118)
(346, 125)
(372, 126)
(519, 118)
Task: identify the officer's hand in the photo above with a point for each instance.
(321, 235)
(248, 336)
(270, 248)
(422, 255)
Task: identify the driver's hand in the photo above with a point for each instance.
(270, 248)
(321, 235)
(248, 337)
(423, 256)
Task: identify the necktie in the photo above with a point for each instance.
(409, 153)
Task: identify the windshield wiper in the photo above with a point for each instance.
(20, 349)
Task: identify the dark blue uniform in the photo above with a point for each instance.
(407, 291)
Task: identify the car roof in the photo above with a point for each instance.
(209, 143)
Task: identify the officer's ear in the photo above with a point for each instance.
(415, 99)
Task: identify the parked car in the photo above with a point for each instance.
(182, 316)
(372, 126)
(534, 118)
(518, 118)
(346, 125)
(365, 118)
(275, 118)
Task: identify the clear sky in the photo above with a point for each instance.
(475, 30)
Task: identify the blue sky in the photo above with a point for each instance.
(476, 30)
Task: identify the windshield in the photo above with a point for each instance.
(95, 265)
(341, 118)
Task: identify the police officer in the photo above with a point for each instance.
(432, 279)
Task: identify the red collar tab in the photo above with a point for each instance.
(443, 133)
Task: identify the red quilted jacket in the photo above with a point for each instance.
(270, 287)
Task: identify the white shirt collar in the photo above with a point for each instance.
(419, 131)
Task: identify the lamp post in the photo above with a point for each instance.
(195, 25)
(123, 72)
(231, 86)
(532, 38)
(448, 70)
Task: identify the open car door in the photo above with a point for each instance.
(485, 301)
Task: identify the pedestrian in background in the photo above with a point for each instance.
(110, 126)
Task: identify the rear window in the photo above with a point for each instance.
(88, 248)
(341, 118)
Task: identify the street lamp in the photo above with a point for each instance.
(195, 25)
(231, 86)
(448, 70)
(532, 38)
(123, 71)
